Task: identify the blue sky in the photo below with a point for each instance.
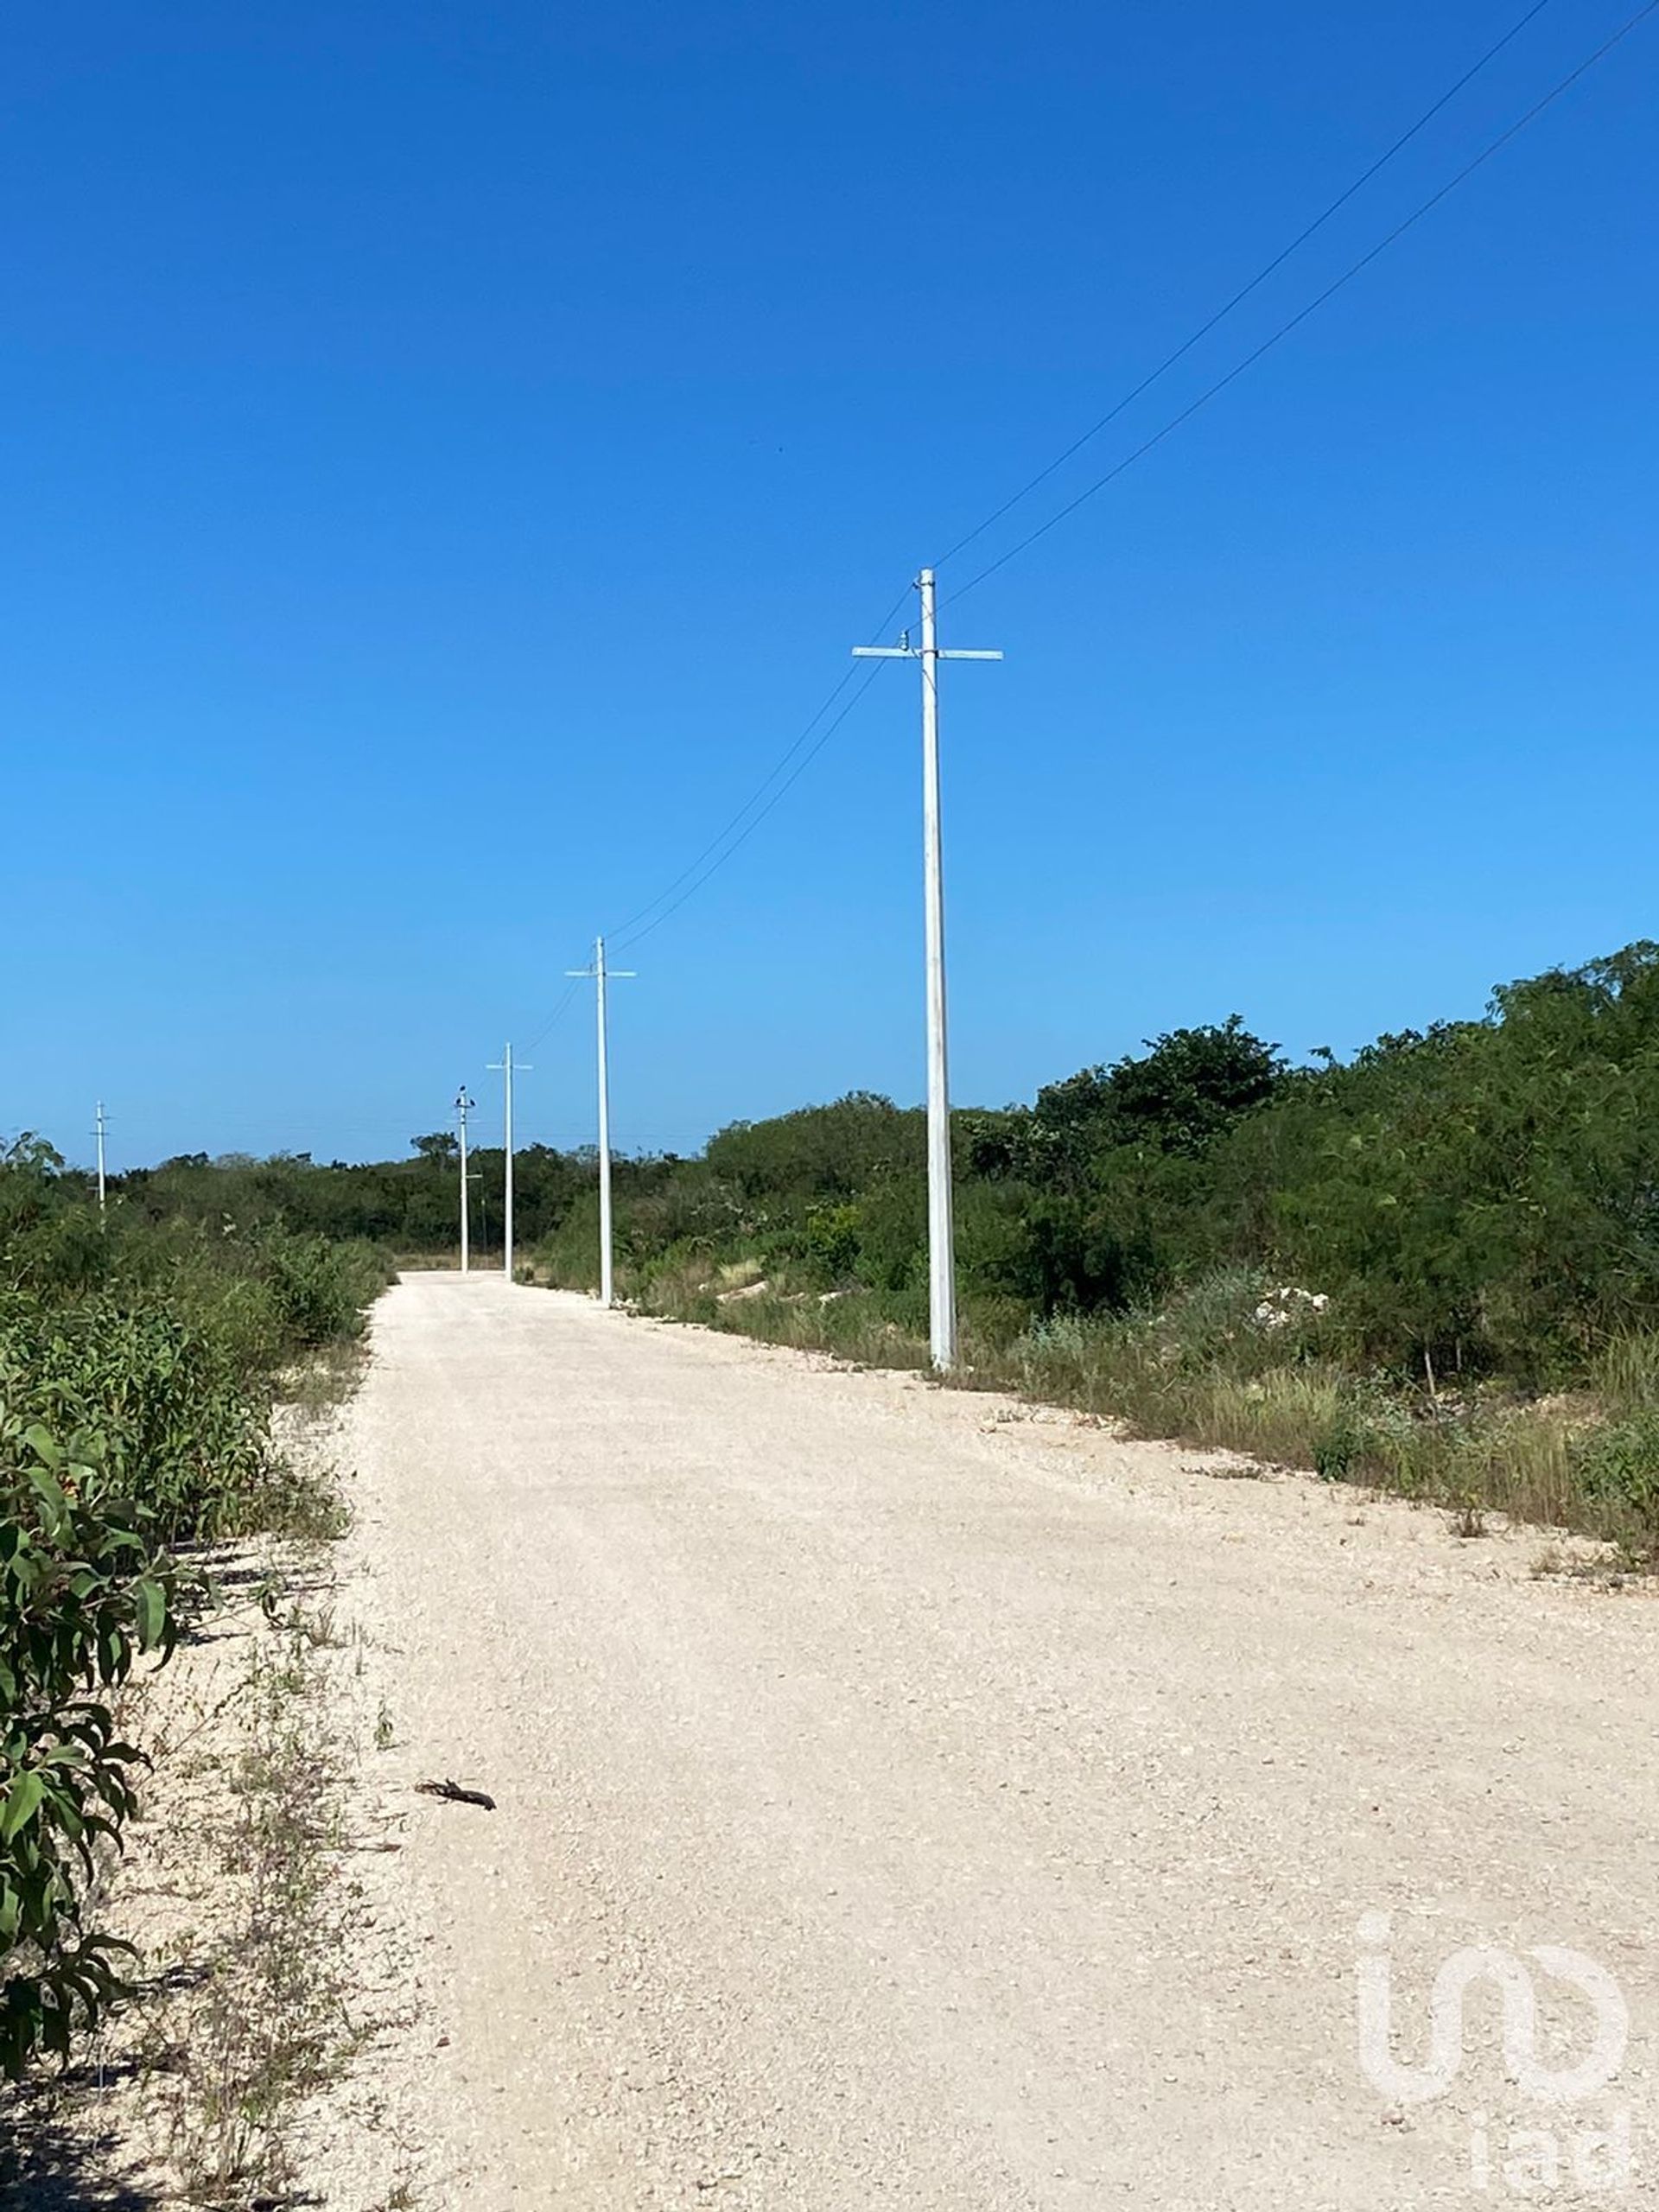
(451, 450)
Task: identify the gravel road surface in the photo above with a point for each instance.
(905, 1799)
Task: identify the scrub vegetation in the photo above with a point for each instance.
(139, 1361)
(1434, 1267)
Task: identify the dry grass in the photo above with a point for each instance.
(324, 1378)
(1201, 1372)
(239, 1889)
(271, 2020)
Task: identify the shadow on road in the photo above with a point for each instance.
(48, 2166)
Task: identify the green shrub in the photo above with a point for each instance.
(138, 1358)
(1336, 1451)
(318, 1290)
(1618, 1463)
(84, 1586)
(169, 1394)
(830, 1239)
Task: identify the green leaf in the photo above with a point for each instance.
(22, 1802)
(150, 1601)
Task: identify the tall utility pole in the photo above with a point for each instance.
(941, 1231)
(599, 975)
(101, 1190)
(463, 1108)
(504, 1067)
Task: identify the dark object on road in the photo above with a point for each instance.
(456, 1794)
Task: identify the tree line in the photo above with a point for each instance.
(1479, 1195)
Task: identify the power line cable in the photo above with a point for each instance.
(698, 871)
(621, 934)
(689, 876)
(801, 767)
(552, 1021)
(1330, 292)
(1244, 292)
(619, 938)
(756, 808)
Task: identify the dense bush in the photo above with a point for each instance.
(137, 1362)
(1619, 1463)
(1479, 1198)
(85, 1583)
(1476, 1204)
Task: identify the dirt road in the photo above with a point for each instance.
(904, 1801)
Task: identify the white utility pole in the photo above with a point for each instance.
(101, 1193)
(599, 974)
(941, 1232)
(504, 1067)
(463, 1108)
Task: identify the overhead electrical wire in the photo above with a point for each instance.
(755, 810)
(690, 878)
(1424, 207)
(552, 1023)
(738, 829)
(627, 932)
(800, 769)
(1245, 290)
(621, 932)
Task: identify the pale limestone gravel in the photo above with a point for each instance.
(905, 1801)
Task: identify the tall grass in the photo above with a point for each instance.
(1229, 1363)
(1207, 1368)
